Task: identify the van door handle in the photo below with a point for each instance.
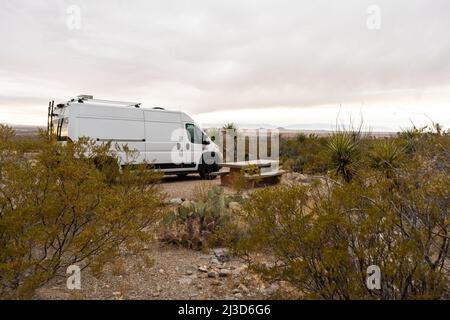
(178, 146)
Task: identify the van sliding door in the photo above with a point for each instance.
(164, 139)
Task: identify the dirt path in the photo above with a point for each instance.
(165, 272)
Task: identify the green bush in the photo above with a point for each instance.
(305, 154)
(321, 238)
(58, 209)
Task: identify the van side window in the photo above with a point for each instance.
(195, 135)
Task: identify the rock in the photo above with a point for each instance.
(222, 254)
(216, 282)
(212, 274)
(189, 272)
(215, 261)
(236, 291)
(161, 271)
(296, 177)
(203, 269)
(185, 281)
(238, 295)
(176, 201)
(271, 289)
(224, 273)
(234, 206)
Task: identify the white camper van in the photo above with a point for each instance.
(170, 140)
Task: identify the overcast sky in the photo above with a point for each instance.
(260, 62)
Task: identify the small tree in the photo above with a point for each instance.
(58, 209)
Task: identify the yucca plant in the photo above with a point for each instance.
(411, 137)
(229, 126)
(387, 155)
(344, 150)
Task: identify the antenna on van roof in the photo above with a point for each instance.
(84, 97)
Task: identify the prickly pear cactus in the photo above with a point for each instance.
(216, 202)
(191, 223)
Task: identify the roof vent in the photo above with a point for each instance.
(85, 97)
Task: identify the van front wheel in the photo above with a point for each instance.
(205, 171)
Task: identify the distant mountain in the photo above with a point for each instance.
(242, 126)
(296, 127)
(25, 130)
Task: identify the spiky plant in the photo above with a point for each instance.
(411, 136)
(344, 150)
(229, 126)
(387, 155)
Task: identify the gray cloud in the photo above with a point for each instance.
(212, 55)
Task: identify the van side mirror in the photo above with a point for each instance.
(205, 140)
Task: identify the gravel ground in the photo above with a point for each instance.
(166, 272)
(185, 187)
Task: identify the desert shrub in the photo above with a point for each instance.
(201, 191)
(322, 238)
(192, 223)
(305, 154)
(58, 209)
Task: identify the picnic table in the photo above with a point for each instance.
(254, 172)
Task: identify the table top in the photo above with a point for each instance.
(243, 164)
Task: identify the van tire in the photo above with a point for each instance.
(205, 171)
